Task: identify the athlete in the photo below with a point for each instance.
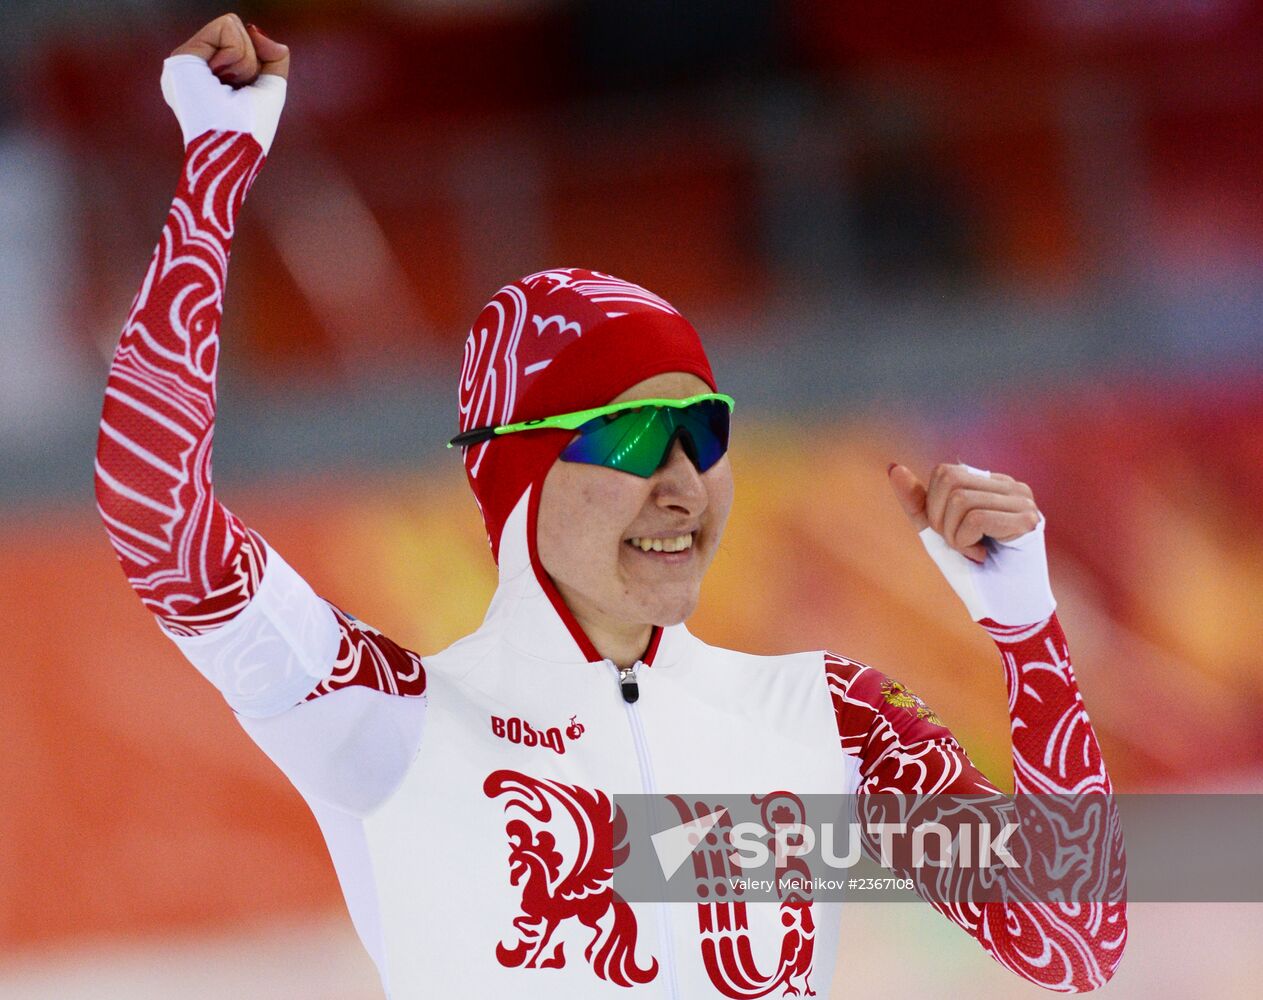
(466, 796)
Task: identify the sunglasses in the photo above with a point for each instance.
(636, 436)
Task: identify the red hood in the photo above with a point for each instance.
(553, 342)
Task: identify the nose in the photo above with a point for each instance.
(679, 485)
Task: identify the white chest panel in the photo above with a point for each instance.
(487, 858)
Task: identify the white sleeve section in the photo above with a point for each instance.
(1010, 586)
(274, 653)
(201, 103)
(350, 748)
(348, 847)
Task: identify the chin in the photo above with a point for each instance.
(666, 613)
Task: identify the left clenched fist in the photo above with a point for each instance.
(237, 53)
(965, 507)
(229, 77)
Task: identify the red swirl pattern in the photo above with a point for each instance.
(189, 558)
(193, 562)
(559, 885)
(524, 327)
(1066, 947)
(369, 659)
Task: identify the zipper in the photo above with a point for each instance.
(630, 690)
(627, 682)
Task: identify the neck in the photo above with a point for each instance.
(622, 646)
(621, 642)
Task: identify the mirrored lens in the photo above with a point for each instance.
(638, 441)
(707, 424)
(628, 440)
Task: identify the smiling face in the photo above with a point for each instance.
(589, 516)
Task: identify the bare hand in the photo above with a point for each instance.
(964, 507)
(237, 53)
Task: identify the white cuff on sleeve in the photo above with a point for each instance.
(201, 103)
(275, 652)
(1010, 586)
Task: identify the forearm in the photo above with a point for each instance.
(190, 560)
(1063, 946)
(1068, 947)
(1055, 749)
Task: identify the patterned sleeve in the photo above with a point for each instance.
(903, 747)
(244, 618)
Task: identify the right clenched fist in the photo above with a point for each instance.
(228, 77)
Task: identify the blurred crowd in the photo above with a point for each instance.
(770, 166)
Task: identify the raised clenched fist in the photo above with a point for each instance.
(966, 506)
(237, 53)
(986, 534)
(229, 77)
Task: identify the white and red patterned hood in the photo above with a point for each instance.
(554, 342)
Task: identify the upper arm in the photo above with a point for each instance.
(273, 652)
(901, 743)
(903, 748)
(338, 706)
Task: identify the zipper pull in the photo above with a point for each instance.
(627, 682)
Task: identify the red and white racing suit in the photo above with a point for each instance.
(466, 796)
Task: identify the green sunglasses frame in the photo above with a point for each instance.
(573, 421)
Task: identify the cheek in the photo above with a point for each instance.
(719, 491)
(583, 514)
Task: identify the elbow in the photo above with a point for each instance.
(1090, 953)
(106, 498)
(115, 468)
(112, 506)
(1106, 949)
(1115, 942)
(104, 495)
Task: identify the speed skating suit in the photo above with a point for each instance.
(466, 796)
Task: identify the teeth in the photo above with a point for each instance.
(677, 544)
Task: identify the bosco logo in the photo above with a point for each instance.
(520, 731)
